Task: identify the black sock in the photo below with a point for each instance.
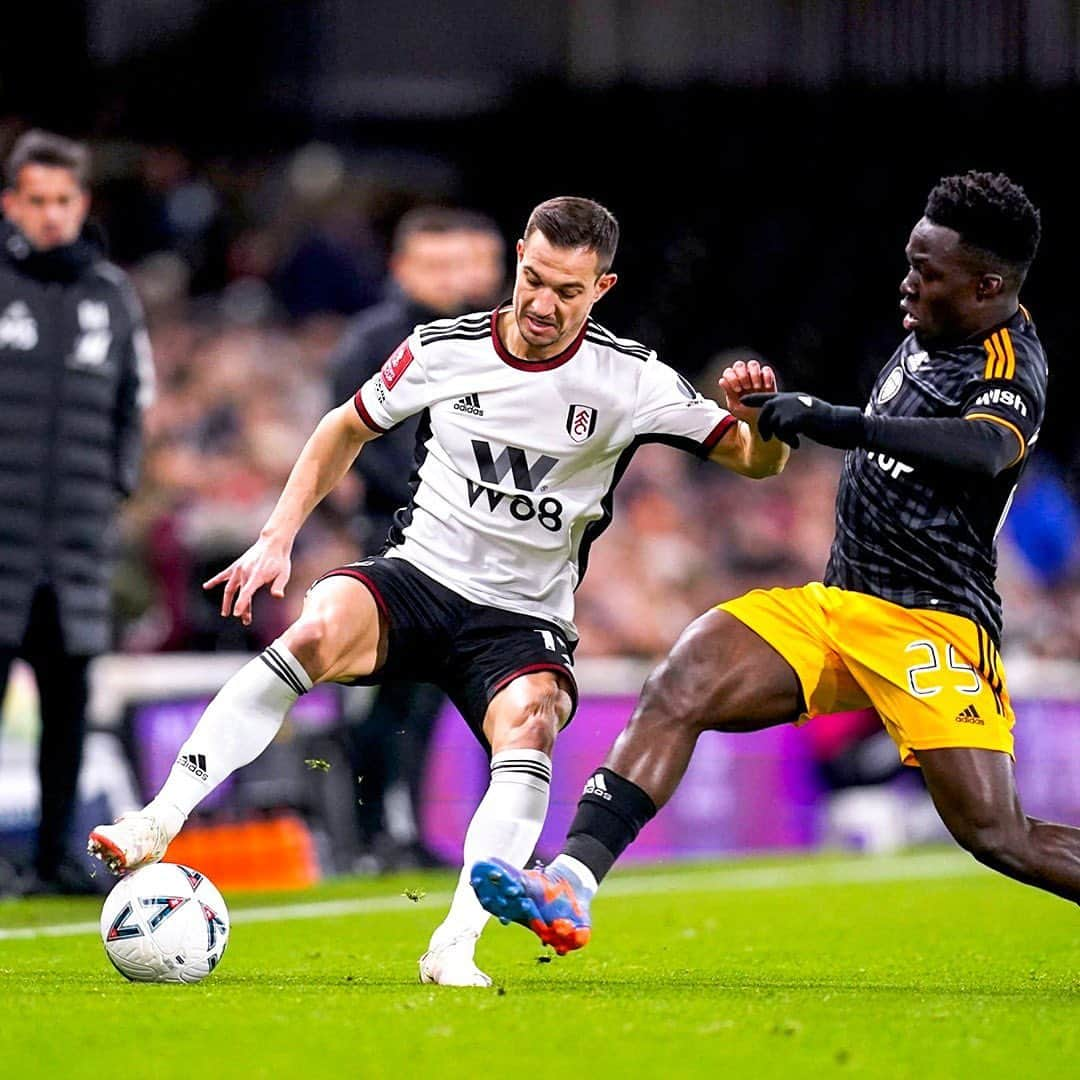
(610, 814)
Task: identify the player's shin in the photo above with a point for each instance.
(236, 727)
(506, 824)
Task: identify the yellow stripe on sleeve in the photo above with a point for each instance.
(991, 359)
(1003, 363)
(1004, 423)
(1010, 356)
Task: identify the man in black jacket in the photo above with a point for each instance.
(75, 373)
(443, 262)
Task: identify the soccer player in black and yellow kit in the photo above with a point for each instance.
(907, 619)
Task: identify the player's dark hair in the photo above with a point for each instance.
(990, 213)
(441, 219)
(570, 222)
(38, 147)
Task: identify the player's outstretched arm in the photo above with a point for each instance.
(744, 450)
(324, 460)
(977, 443)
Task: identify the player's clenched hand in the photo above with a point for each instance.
(264, 563)
(787, 416)
(742, 378)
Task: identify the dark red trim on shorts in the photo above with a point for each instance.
(531, 669)
(361, 408)
(716, 435)
(348, 571)
(558, 360)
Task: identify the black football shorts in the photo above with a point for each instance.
(468, 650)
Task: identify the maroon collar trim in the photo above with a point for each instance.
(551, 362)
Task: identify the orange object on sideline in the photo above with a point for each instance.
(265, 853)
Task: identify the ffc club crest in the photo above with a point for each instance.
(580, 422)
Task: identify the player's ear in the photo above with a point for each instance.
(604, 283)
(989, 286)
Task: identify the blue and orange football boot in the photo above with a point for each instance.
(550, 901)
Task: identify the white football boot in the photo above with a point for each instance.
(135, 839)
(452, 964)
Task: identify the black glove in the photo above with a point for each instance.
(787, 416)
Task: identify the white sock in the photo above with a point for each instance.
(578, 869)
(237, 726)
(507, 824)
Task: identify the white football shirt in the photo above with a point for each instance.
(517, 459)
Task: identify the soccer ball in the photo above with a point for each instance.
(165, 923)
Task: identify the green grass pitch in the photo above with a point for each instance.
(922, 966)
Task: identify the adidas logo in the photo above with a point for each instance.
(970, 715)
(470, 404)
(596, 786)
(194, 763)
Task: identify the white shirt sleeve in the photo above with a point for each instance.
(398, 390)
(669, 409)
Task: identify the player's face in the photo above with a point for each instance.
(942, 292)
(47, 205)
(554, 291)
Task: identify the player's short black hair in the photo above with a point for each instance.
(441, 219)
(991, 213)
(572, 222)
(38, 147)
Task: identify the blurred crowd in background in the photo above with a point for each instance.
(249, 274)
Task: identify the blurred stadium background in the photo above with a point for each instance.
(766, 162)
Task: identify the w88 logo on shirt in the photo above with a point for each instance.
(527, 476)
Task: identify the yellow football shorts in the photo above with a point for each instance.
(934, 678)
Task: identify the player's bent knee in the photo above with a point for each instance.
(536, 732)
(671, 698)
(548, 710)
(720, 676)
(696, 686)
(540, 720)
(331, 646)
(528, 713)
(1001, 846)
(309, 639)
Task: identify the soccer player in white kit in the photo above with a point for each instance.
(530, 416)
